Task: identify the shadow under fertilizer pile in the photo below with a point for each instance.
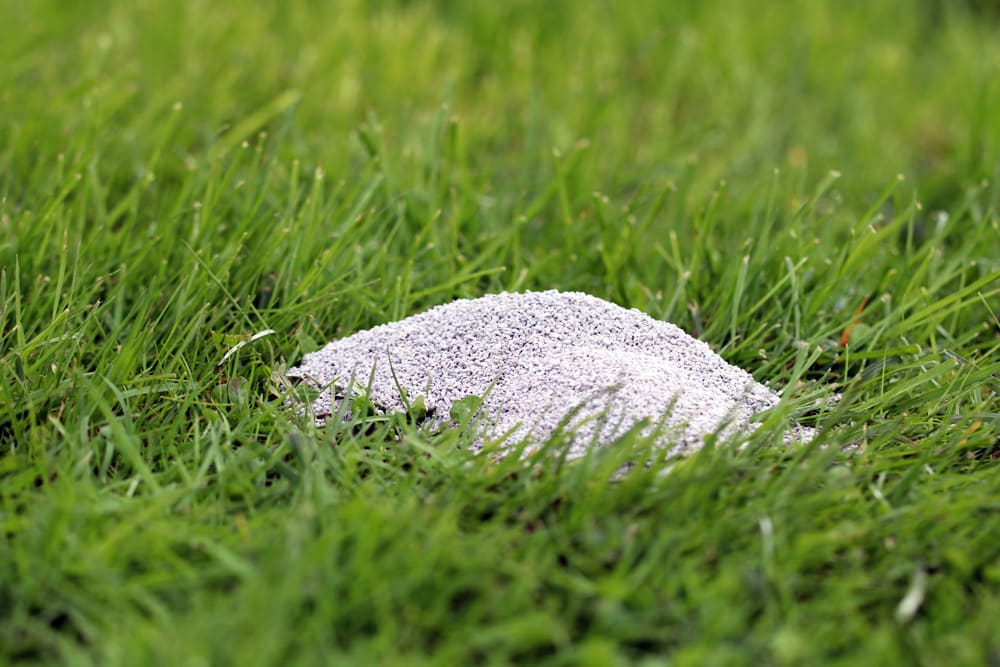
(545, 360)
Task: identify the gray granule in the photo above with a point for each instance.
(540, 358)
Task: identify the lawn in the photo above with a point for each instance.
(811, 188)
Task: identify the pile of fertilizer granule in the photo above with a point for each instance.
(544, 362)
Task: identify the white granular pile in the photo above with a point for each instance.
(545, 362)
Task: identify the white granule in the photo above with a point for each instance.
(544, 361)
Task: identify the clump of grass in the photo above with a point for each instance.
(177, 179)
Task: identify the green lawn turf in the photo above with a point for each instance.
(177, 176)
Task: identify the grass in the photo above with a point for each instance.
(176, 177)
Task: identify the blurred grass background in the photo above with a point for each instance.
(874, 90)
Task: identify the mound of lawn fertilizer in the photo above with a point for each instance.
(545, 362)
